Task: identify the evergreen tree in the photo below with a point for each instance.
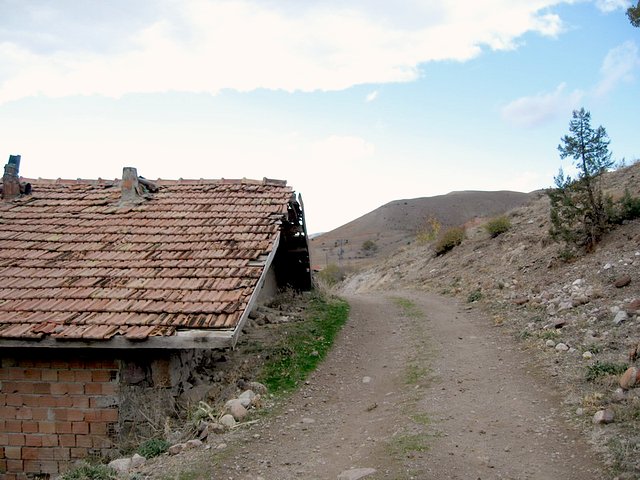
(634, 15)
(578, 207)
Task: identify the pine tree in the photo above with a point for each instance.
(633, 13)
(578, 208)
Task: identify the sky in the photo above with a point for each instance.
(355, 103)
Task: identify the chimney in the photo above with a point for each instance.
(130, 187)
(10, 180)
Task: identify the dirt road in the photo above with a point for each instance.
(416, 387)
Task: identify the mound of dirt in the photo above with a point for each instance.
(395, 224)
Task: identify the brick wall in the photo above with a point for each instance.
(55, 408)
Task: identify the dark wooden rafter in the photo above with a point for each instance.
(292, 263)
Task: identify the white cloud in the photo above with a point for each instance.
(618, 66)
(209, 45)
(372, 96)
(611, 5)
(537, 109)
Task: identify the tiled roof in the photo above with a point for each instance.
(76, 263)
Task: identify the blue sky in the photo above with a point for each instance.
(355, 103)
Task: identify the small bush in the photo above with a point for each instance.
(332, 274)
(450, 238)
(497, 226)
(628, 208)
(153, 447)
(429, 231)
(87, 471)
(474, 296)
(601, 369)
(369, 247)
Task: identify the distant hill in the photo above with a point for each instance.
(396, 223)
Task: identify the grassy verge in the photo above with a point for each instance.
(304, 344)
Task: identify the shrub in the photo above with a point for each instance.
(450, 238)
(429, 231)
(369, 247)
(474, 296)
(601, 369)
(332, 274)
(87, 471)
(627, 208)
(498, 225)
(153, 447)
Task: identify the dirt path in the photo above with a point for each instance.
(416, 387)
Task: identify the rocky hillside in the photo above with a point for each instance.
(395, 224)
(579, 318)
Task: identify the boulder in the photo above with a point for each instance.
(257, 387)
(622, 281)
(121, 465)
(228, 420)
(246, 398)
(137, 460)
(620, 317)
(177, 448)
(630, 378)
(356, 473)
(603, 416)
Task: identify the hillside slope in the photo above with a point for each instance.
(579, 319)
(396, 223)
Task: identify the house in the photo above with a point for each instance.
(112, 291)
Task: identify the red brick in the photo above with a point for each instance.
(16, 373)
(14, 399)
(76, 389)
(16, 439)
(8, 412)
(79, 452)
(49, 375)
(60, 388)
(46, 427)
(3, 467)
(61, 454)
(47, 466)
(15, 465)
(81, 428)
(33, 440)
(101, 375)
(41, 363)
(31, 400)
(67, 440)
(40, 413)
(13, 426)
(93, 388)
(63, 401)
(109, 388)
(41, 388)
(98, 428)
(80, 401)
(109, 415)
(77, 364)
(4, 440)
(17, 387)
(32, 453)
(13, 453)
(29, 427)
(63, 427)
(66, 376)
(82, 375)
(109, 364)
(50, 440)
(84, 441)
(33, 374)
(24, 413)
(45, 400)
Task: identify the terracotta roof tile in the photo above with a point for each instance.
(75, 264)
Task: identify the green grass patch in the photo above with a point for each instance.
(88, 471)
(304, 344)
(153, 447)
(421, 419)
(414, 373)
(402, 445)
(602, 369)
(409, 309)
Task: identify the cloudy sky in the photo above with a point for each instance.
(355, 103)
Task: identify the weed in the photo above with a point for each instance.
(548, 334)
(474, 296)
(524, 334)
(414, 373)
(409, 443)
(421, 419)
(497, 226)
(601, 369)
(449, 239)
(304, 345)
(88, 471)
(153, 447)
